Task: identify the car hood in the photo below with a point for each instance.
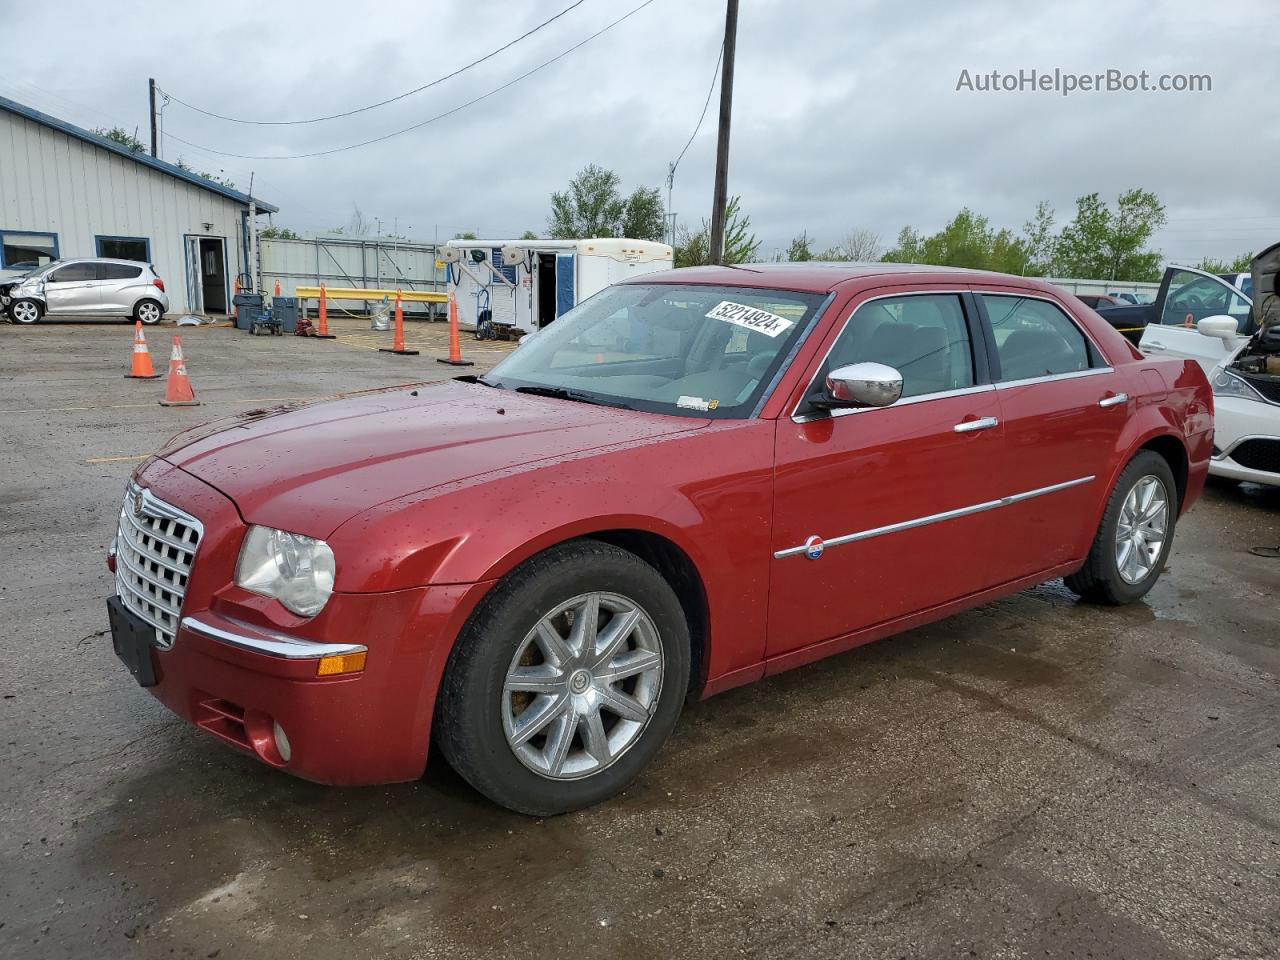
(1263, 271)
(310, 468)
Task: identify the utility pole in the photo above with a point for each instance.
(151, 92)
(722, 146)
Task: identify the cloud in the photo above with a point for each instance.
(845, 113)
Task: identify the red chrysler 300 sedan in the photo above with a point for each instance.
(686, 483)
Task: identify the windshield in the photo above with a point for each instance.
(688, 350)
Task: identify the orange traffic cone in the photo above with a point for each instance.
(277, 293)
(177, 389)
(455, 348)
(398, 345)
(322, 331)
(141, 366)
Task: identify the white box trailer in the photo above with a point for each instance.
(527, 284)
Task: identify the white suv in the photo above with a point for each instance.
(93, 287)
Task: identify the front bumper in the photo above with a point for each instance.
(238, 681)
(241, 664)
(1235, 422)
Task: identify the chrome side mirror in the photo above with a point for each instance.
(864, 385)
(1221, 326)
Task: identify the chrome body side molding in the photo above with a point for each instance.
(806, 548)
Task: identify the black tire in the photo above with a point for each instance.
(468, 718)
(1099, 580)
(25, 311)
(142, 311)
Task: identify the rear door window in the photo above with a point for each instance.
(1034, 338)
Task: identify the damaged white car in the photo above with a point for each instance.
(1246, 385)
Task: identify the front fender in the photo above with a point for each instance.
(709, 492)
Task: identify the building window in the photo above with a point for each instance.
(125, 248)
(26, 251)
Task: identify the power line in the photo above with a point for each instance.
(430, 120)
(715, 75)
(381, 103)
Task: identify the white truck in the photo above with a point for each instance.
(527, 284)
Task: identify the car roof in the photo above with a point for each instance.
(816, 276)
(131, 263)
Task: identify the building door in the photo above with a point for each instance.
(546, 289)
(213, 274)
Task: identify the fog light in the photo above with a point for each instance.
(282, 743)
(346, 663)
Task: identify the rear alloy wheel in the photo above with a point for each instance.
(1135, 536)
(148, 311)
(25, 311)
(567, 680)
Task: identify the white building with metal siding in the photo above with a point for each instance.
(66, 192)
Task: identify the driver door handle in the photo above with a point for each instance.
(1114, 401)
(982, 423)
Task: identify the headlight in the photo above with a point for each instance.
(1227, 384)
(296, 570)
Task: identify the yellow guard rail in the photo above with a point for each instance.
(360, 293)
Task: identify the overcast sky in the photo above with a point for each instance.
(846, 114)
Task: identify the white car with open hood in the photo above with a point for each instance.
(1243, 364)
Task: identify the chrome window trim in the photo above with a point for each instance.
(935, 517)
(274, 644)
(1050, 377)
(798, 417)
(846, 411)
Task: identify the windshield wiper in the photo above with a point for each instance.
(562, 393)
(483, 382)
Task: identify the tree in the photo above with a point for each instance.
(123, 137)
(1239, 265)
(465, 236)
(799, 250)
(1040, 240)
(591, 207)
(859, 246)
(643, 217)
(277, 233)
(908, 249)
(740, 244)
(215, 177)
(528, 235)
(968, 240)
(1105, 245)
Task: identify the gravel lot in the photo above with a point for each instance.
(1037, 778)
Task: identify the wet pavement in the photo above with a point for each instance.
(1036, 778)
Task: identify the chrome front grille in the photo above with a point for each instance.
(155, 548)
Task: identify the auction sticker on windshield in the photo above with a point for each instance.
(761, 321)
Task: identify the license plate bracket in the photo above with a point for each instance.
(133, 639)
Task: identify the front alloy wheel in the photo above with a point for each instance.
(25, 311)
(567, 679)
(581, 685)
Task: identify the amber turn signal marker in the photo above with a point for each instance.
(347, 663)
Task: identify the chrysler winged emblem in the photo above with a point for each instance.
(137, 504)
